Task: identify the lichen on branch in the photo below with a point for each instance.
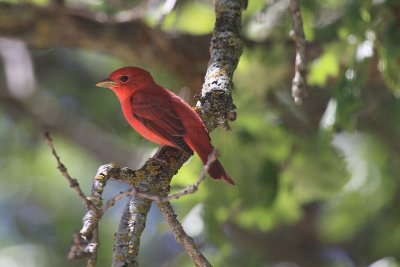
(216, 107)
(215, 104)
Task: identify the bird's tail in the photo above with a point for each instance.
(216, 170)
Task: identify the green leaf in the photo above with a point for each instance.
(324, 67)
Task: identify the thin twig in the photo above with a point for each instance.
(186, 191)
(73, 183)
(181, 237)
(217, 108)
(299, 80)
(84, 245)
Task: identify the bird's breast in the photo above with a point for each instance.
(139, 127)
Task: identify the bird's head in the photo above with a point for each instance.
(127, 80)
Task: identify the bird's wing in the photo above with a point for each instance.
(157, 114)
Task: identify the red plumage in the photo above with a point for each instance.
(161, 116)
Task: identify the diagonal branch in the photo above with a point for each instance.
(73, 183)
(83, 246)
(181, 237)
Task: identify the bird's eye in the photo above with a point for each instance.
(124, 78)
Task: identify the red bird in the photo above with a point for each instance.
(161, 116)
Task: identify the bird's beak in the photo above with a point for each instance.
(106, 83)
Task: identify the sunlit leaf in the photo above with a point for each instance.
(323, 68)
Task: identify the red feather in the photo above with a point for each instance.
(161, 116)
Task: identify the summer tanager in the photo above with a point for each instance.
(161, 116)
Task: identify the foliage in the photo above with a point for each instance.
(306, 185)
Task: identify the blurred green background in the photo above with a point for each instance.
(317, 184)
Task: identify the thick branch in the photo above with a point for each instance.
(154, 177)
(131, 226)
(190, 189)
(216, 105)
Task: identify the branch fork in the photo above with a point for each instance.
(152, 181)
(85, 242)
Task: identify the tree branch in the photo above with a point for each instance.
(181, 237)
(127, 238)
(153, 178)
(84, 246)
(66, 121)
(73, 183)
(299, 80)
(216, 107)
(133, 221)
(215, 104)
(186, 191)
